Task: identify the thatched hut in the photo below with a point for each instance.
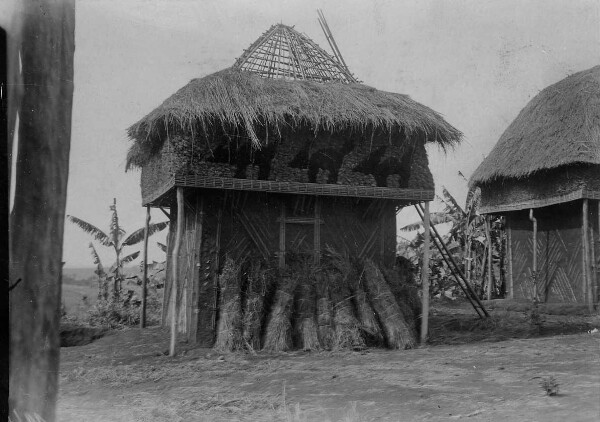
(543, 175)
(284, 156)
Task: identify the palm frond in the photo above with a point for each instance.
(115, 230)
(98, 234)
(162, 247)
(449, 198)
(129, 258)
(434, 218)
(138, 235)
(97, 262)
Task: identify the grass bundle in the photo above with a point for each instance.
(307, 331)
(278, 334)
(324, 311)
(371, 330)
(398, 333)
(254, 306)
(405, 292)
(229, 328)
(347, 332)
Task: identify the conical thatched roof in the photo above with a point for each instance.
(560, 126)
(247, 97)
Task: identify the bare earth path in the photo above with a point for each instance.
(124, 377)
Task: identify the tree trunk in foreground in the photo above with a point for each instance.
(37, 219)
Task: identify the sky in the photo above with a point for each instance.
(476, 62)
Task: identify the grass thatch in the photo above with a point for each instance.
(559, 126)
(229, 329)
(366, 315)
(307, 329)
(324, 312)
(398, 333)
(254, 306)
(278, 334)
(347, 329)
(240, 99)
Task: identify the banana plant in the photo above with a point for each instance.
(115, 239)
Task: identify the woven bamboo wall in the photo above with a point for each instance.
(246, 225)
(559, 253)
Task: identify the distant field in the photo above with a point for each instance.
(80, 282)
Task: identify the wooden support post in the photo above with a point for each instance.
(534, 273)
(509, 256)
(36, 223)
(196, 259)
(425, 276)
(489, 258)
(317, 231)
(175, 259)
(282, 236)
(145, 274)
(587, 279)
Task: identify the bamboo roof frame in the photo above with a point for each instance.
(283, 52)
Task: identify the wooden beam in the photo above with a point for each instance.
(587, 280)
(425, 276)
(534, 273)
(489, 257)
(282, 236)
(165, 213)
(174, 281)
(36, 224)
(509, 256)
(145, 274)
(317, 230)
(195, 258)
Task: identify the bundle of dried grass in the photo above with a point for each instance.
(278, 334)
(229, 329)
(398, 333)
(307, 332)
(254, 306)
(371, 330)
(347, 333)
(324, 320)
(406, 294)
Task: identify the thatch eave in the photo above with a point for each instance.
(234, 98)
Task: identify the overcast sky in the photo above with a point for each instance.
(476, 62)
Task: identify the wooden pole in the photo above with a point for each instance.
(534, 263)
(36, 223)
(489, 257)
(317, 231)
(510, 259)
(282, 236)
(425, 276)
(174, 281)
(145, 275)
(587, 280)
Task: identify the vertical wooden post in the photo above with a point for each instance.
(510, 259)
(174, 281)
(36, 223)
(425, 276)
(534, 263)
(196, 263)
(145, 275)
(317, 231)
(282, 236)
(489, 257)
(586, 254)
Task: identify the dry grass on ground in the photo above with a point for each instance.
(478, 371)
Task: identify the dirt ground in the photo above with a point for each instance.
(471, 370)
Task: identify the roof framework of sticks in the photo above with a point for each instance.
(558, 127)
(283, 52)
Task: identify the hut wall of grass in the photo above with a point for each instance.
(303, 156)
(548, 187)
(563, 276)
(246, 228)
